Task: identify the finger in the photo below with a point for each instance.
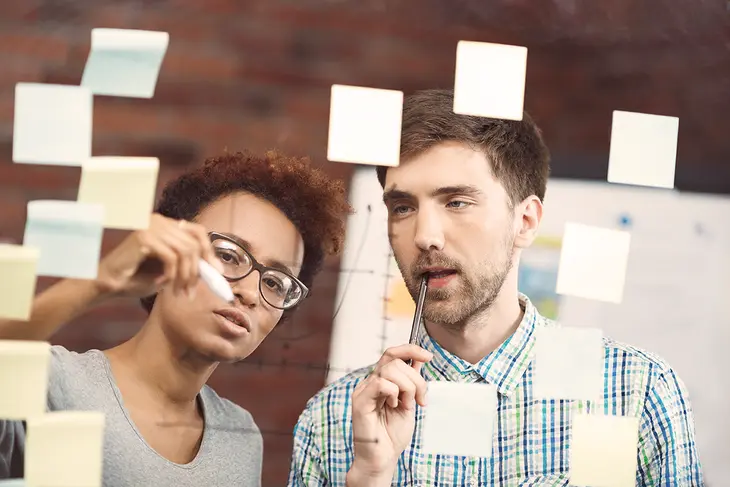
(406, 385)
(158, 249)
(405, 352)
(379, 391)
(200, 233)
(188, 254)
(414, 375)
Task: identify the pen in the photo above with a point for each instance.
(419, 312)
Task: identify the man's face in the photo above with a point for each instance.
(448, 216)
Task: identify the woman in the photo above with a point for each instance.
(266, 224)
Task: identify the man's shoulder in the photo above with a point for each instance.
(624, 355)
(338, 392)
(223, 412)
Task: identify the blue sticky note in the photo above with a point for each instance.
(52, 124)
(124, 62)
(68, 236)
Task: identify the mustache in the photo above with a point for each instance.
(432, 260)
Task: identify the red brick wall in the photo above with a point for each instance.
(256, 74)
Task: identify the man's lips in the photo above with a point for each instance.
(435, 272)
(235, 316)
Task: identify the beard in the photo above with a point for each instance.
(475, 291)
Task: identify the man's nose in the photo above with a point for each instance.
(429, 232)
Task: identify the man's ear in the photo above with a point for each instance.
(528, 215)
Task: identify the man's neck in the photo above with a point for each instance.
(166, 375)
(485, 332)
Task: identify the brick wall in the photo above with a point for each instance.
(256, 74)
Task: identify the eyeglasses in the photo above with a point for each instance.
(278, 288)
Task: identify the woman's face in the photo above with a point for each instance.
(199, 323)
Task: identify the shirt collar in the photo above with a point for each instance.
(504, 367)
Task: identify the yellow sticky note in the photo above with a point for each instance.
(593, 263)
(490, 80)
(643, 149)
(23, 378)
(18, 265)
(603, 450)
(365, 125)
(65, 449)
(124, 186)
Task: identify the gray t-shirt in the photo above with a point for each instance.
(230, 454)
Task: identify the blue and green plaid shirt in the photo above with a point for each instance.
(532, 437)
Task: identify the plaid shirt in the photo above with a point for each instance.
(532, 436)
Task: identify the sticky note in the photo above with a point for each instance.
(52, 124)
(568, 363)
(490, 80)
(124, 62)
(23, 378)
(18, 266)
(124, 186)
(12, 483)
(603, 450)
(65, 449)
(68, 236)
(365, 125)
(593, 262)
(459, 419)
(643, 149)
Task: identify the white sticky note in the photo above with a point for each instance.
(124, 62)
(490, 80)
(68, 236)
(568, 363)
(124, 186)
(459, 419)
(18, 265)
(12, 483)
(593, 262)
(643, 149)
(23, 378)
(365, 125)
(52, 124)
(603, 450)
(65, 449)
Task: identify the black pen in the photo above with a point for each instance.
(419, 312)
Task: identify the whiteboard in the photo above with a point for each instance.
(678, 274)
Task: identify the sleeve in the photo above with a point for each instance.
(12, 447)
(306, 467)
(667, 450)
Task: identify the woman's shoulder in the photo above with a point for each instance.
(226, 411)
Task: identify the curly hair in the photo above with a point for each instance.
(316, 204)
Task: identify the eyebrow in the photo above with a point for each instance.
(272, 263)
(465, 189)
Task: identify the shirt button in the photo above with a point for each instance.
(472, 482)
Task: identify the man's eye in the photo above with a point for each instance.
(458, 204)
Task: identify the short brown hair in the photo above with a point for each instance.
(519, 158)
(316, 204)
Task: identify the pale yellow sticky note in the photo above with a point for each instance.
(490, 80)
(124, 186)
(18, 265)
(23, 378)
(568, 363)
(593, 262)
(643, 149)
(459, 419)
(603, 450)
(365, 125)
(65, 449)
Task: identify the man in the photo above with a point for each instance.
(464, 203)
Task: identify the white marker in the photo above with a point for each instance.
(215, 281)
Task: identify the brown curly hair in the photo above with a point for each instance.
(316, 204)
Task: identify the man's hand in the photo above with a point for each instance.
(383, 414)
(168, 251)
